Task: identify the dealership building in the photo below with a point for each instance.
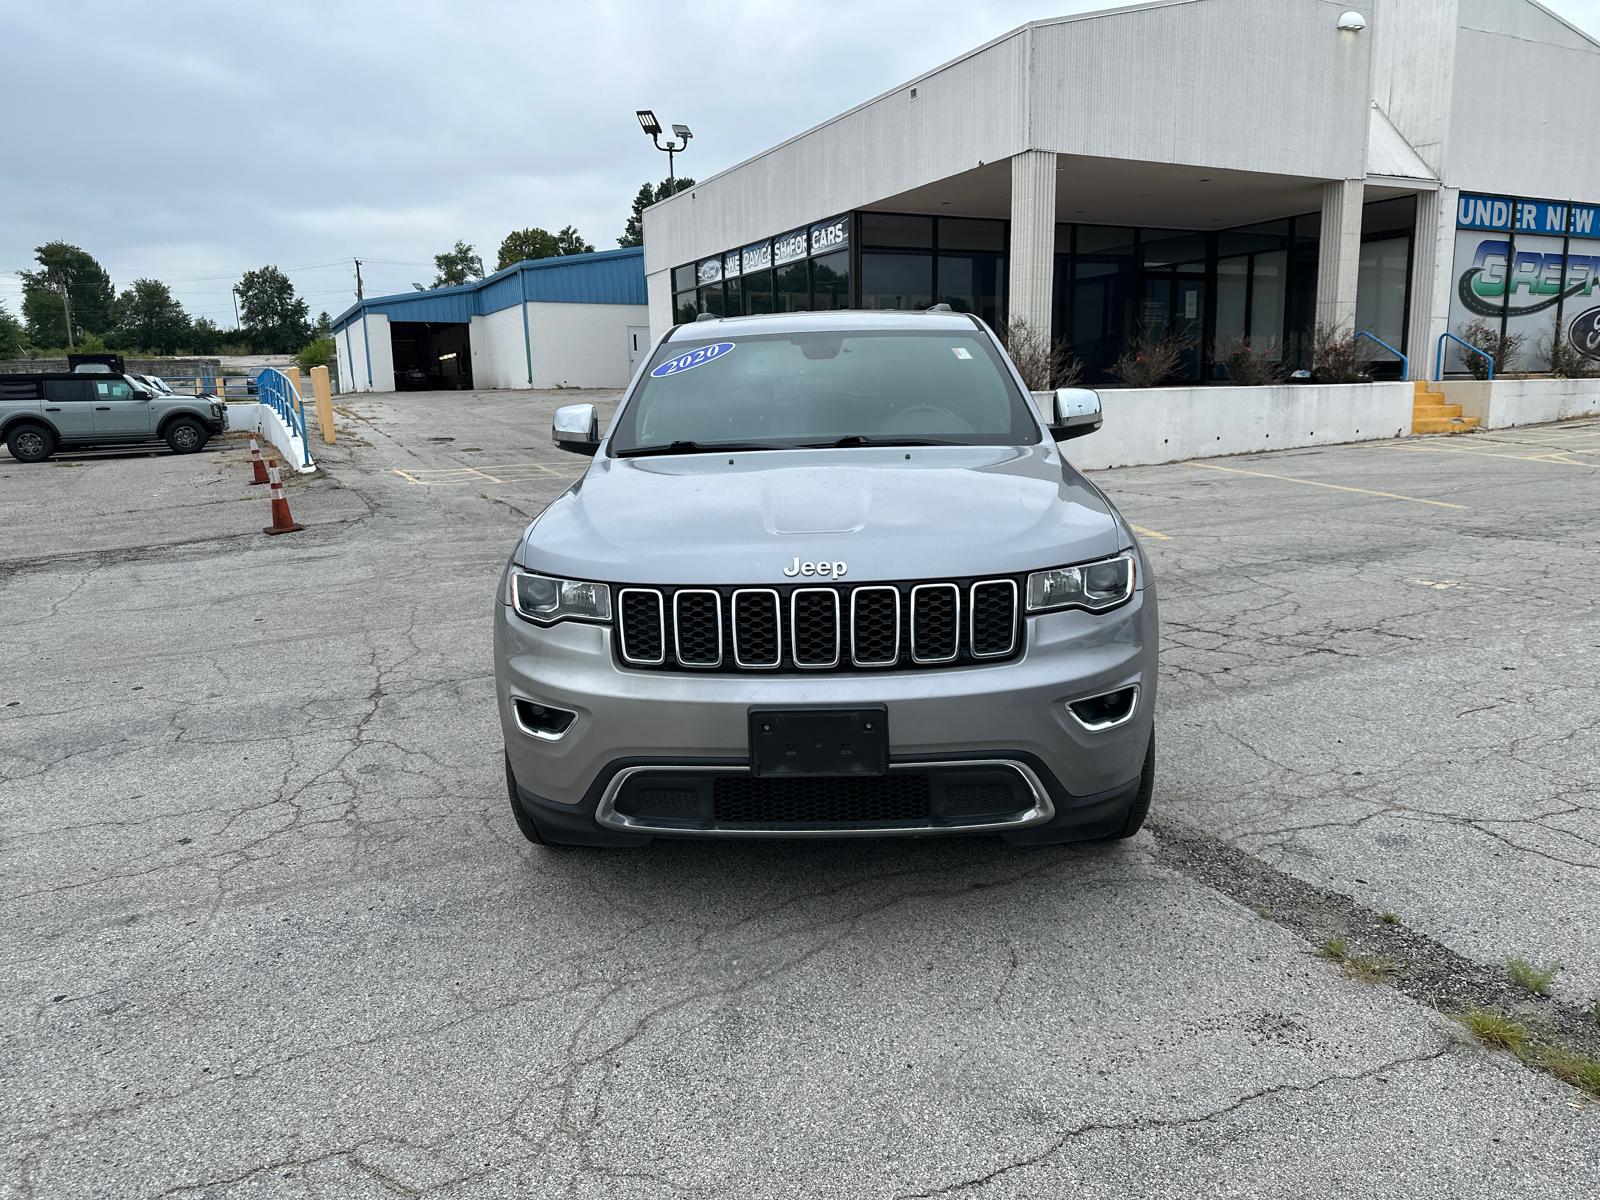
(575, 320)
(1225, 169)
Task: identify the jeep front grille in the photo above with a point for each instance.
(819, 628)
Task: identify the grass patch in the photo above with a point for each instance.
(1567, 1066)
(1495, 1030)
(1335, 949)
(1266, 915)
(1368, 969)
(1535, 979)
(1391, 918)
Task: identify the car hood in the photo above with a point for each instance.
(888, 514)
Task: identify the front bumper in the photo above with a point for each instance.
(683, 728)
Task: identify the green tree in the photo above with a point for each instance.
(275, 319)
(633, 231)
(13, 338)
(456, 266)
(149, 318)
(521, 245)
(204, 336)
(317, 353)
(88, 289)
(324, 326)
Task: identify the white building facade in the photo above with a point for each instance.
(1229, 170)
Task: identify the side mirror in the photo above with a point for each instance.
(1075, 412)
(577, 428)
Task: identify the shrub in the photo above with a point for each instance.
(1565, 361)
(1041, 363)
(1503, 348)
(1336, 355)
(317, 354)
(1151, 358)
(1249, 367)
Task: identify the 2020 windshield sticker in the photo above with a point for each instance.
(694, 358)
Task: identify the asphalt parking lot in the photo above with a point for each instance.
(270, 929)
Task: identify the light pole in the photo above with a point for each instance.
(648, 122)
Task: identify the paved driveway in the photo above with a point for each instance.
(269, 929)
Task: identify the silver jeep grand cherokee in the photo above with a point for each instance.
(829, 575)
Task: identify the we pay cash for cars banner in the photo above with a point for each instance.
(1524, 261)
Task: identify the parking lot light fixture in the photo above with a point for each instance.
(651, 126)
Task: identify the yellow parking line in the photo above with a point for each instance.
(1556, 456)
(1335, 486)
(1143, 532)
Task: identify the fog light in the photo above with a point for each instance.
(1107, 711)
(541, 721)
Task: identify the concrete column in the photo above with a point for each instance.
(1432, 276)
(1033, 238)
(1339, 254)
(323, 391)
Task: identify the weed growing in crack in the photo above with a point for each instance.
(1568, 1066)
(1368, 969)
(1494, 1029)
(1266, 915)
(1335, 949)
(1391, 918)
(1594, 1009)
(1535, 979)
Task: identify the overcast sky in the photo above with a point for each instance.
(190, 142)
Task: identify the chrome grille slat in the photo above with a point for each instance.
(758, 629)
(935, 623)
(641, 616)
(697, 627)
(875, 626)
(814, 634)
(993, 609)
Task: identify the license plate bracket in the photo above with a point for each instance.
(820, 741)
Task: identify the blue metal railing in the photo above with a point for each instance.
(1438, 358)
(1405, 363)
(274, 389)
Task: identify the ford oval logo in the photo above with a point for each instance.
(691, 360)
(1584, 333)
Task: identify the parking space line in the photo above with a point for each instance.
(1338, 487)
(510, 473)
(1502, 448)
(1150, 533)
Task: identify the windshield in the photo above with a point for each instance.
(899, 387)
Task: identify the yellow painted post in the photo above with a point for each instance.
(324, 393)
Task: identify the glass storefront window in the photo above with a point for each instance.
(1100, 314)
(893, 229)
(973, 283)
(758, 293)
(685, 307)
(1163, 248)
(711, 300)
(1104, 239)
(830, 281)
(896, 281)
(732, 302)
(1381, 290)
(1233, 294)
(794, 288)
(683, 279)
(958, 233)
(1268, 283)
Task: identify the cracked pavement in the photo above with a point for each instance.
(270, 929)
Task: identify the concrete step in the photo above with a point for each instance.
(1443, 424)
(1426, 411)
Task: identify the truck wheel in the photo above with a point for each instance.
(31, 443)
(1140, 808)
(185, 436)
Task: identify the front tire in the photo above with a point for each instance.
(186, 436)
(31, 443)
(1140, 808)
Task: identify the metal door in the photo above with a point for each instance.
(66, 406)
(638, 345)
(119, 411)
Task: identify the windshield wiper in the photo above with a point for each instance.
(697, 448)
(856, 439)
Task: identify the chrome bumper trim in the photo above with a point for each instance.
(607, 816)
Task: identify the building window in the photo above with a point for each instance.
(793, 288)
(896, 281)
(758, 292)
(830, 281)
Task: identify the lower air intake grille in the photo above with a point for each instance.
(994, 618)
(855, 799)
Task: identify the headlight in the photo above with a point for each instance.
(546, 600)
(1095, 586)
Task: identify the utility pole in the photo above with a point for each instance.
(359, 296)
(235, 291)
(66, 302)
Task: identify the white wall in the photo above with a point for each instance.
(1508, 402)
(1157, 425)
(373, 330)
(659, 289)
(499, 353)
(580, 345)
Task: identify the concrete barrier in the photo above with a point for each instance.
(1143, 426)
(1509, 402)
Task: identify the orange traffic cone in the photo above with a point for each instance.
(256, 464)
(282, 522)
